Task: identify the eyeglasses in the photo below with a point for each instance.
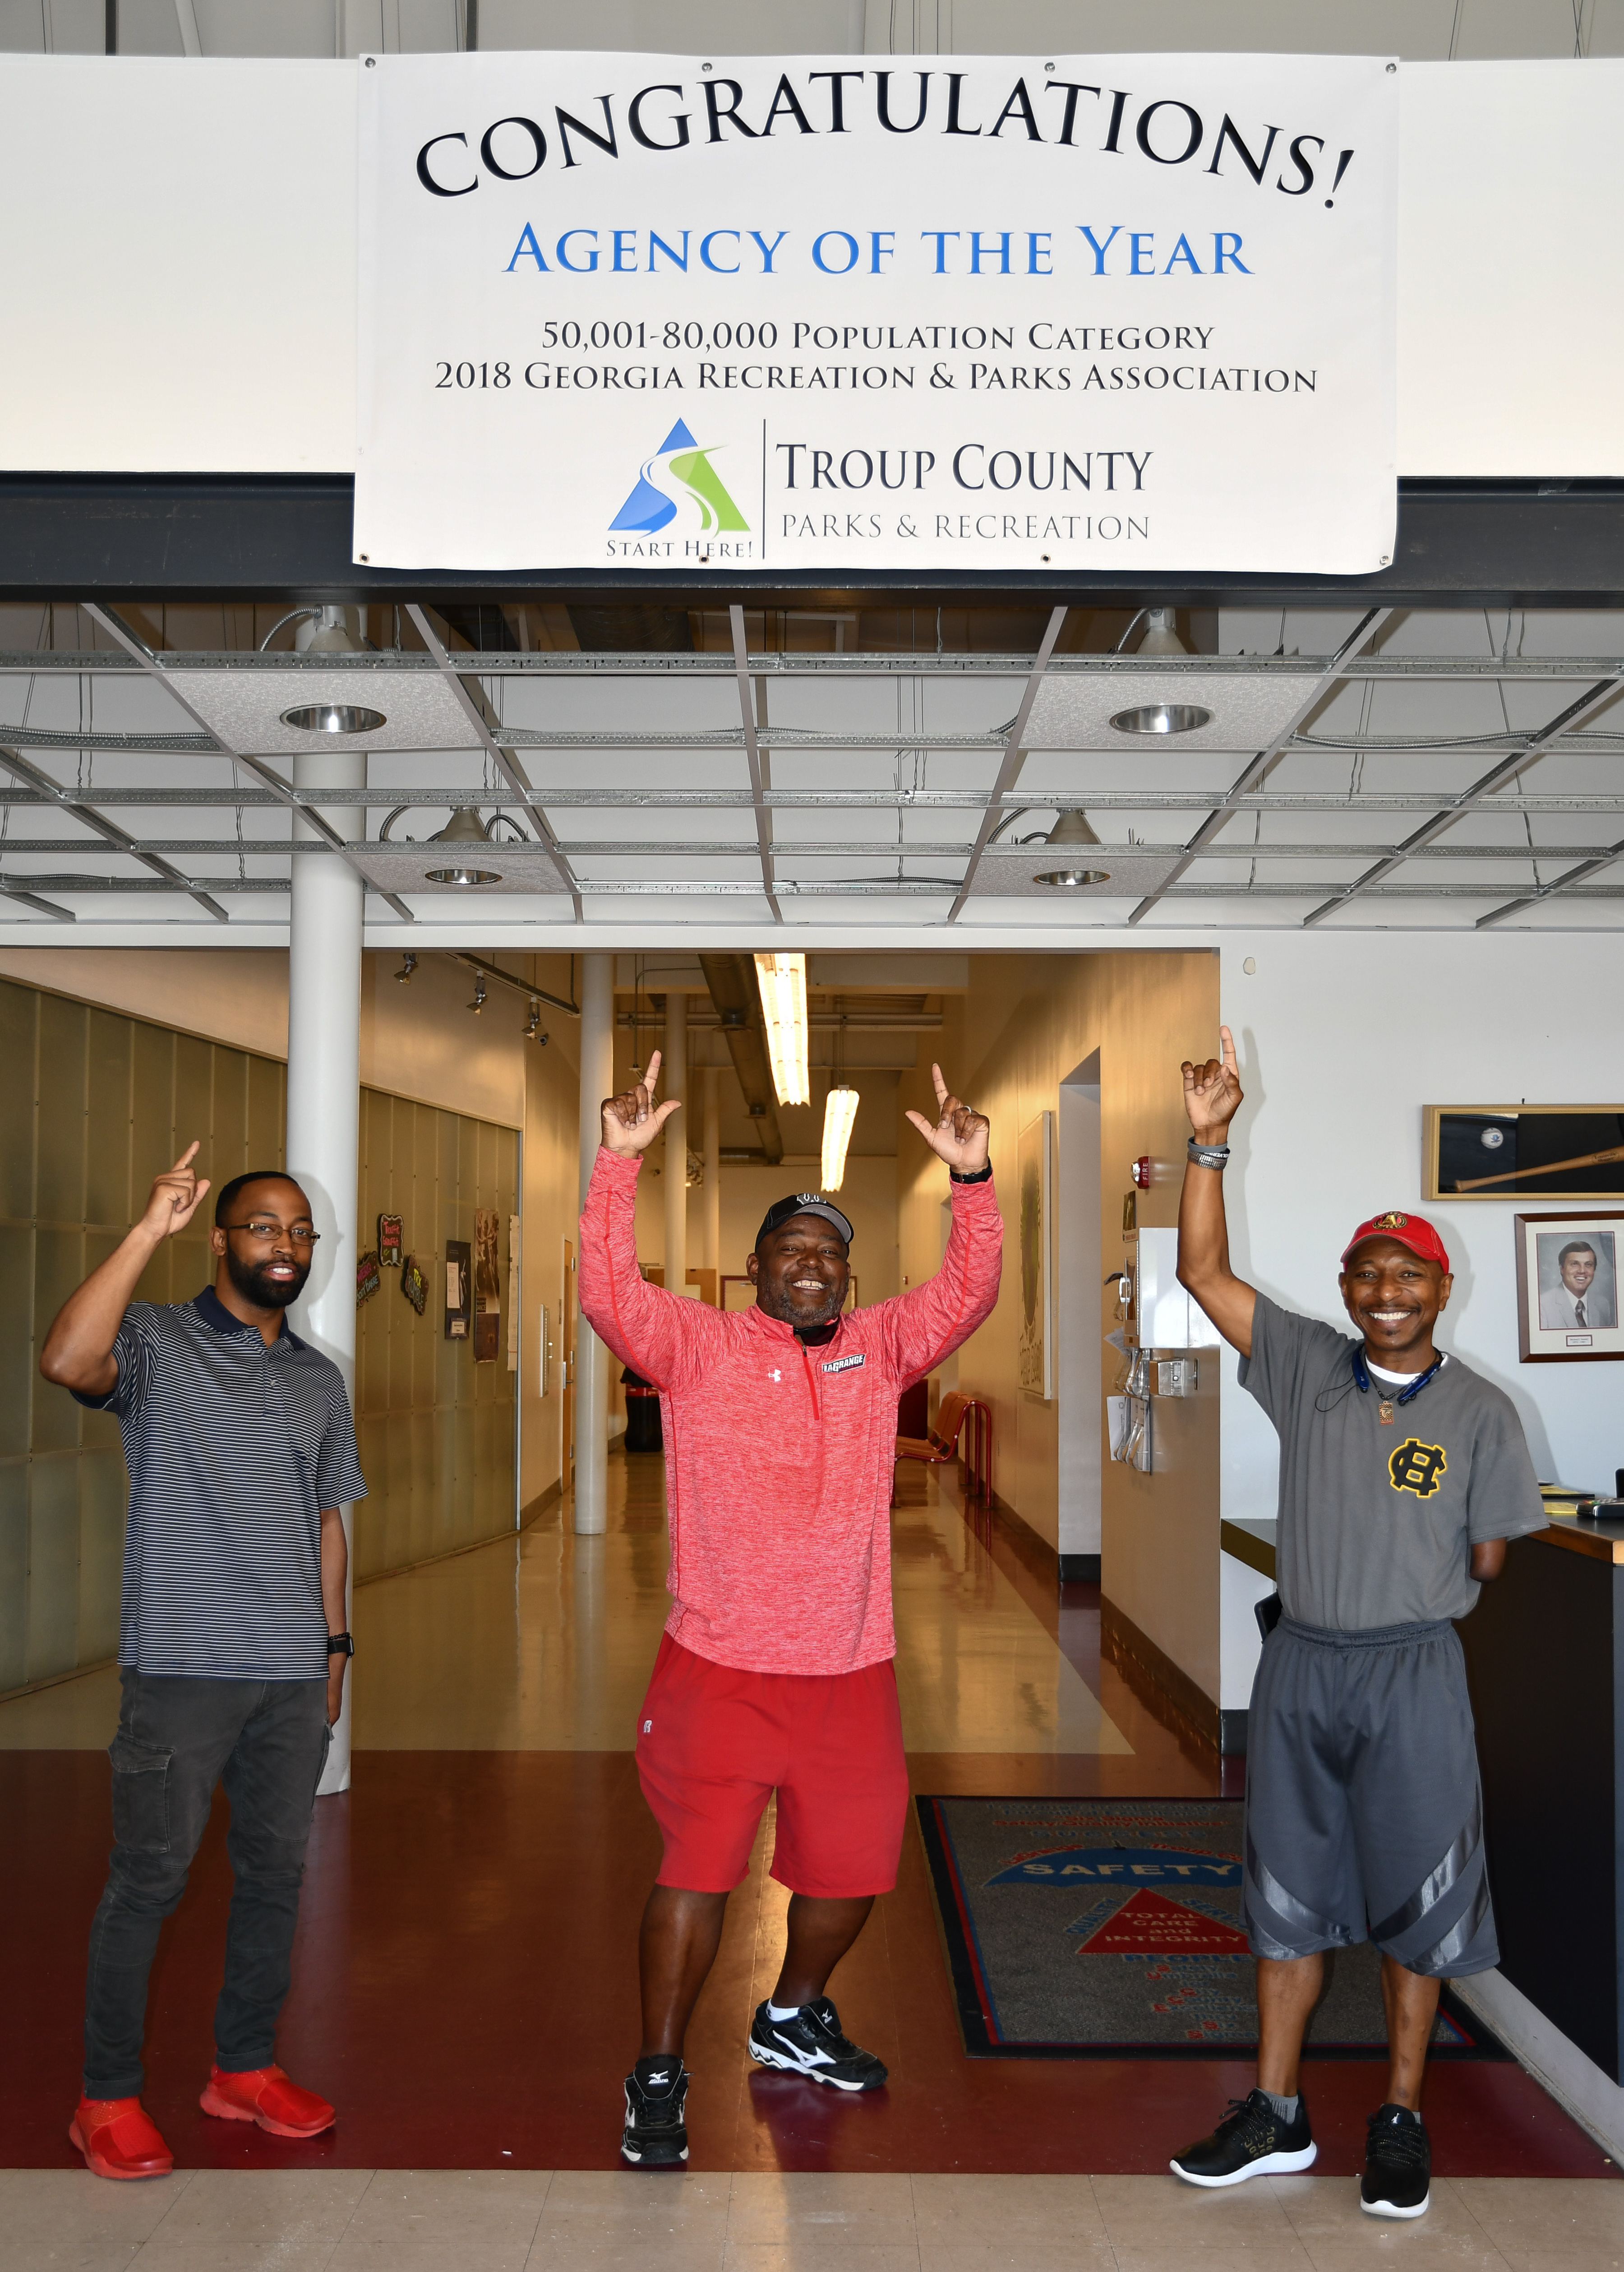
(303, 1234)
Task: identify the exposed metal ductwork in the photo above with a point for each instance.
(731, 979)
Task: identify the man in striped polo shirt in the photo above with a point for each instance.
(241, 1451)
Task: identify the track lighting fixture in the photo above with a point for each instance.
(478, 1003)
(409, 964)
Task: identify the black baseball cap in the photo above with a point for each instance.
(804, 1203)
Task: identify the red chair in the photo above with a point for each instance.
(960, 1417)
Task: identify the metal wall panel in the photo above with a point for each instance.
(87, 1118)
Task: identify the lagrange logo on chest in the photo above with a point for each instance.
(844, 1364)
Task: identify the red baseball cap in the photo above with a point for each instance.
(1412, 1230)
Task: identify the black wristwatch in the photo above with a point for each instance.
(340, 1644)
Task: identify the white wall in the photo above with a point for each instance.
(242, 357)
(1343, 1041)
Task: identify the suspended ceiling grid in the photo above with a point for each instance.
(1450, 768)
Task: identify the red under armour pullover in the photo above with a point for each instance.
(779, 1458)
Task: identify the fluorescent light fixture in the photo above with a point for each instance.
(783, 982)
(839, 1112)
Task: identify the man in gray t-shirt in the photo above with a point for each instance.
(1381, 1502)
(1403, 1472)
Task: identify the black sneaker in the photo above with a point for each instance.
(812, 2044)
(656, 2136)
(1251, 2141)
(1398, 2162)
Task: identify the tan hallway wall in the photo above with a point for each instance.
(436, 1429)
(1028, 1020)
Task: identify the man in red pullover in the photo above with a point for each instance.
(775, 1669)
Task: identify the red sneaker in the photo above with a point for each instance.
(119, 2138)
(265, 2096)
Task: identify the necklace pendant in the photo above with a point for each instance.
(1384, 1412)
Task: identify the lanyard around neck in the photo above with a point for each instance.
(1361, 1373)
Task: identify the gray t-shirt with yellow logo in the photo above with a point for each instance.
(1376, 1518)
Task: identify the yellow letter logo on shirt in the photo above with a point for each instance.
(1416, 1468)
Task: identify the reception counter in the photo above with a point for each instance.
(1545, 1658)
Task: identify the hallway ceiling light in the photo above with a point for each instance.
(409, 964)
(1072, 828)
(333, 718)
(1163, 718)
(464, 826)
(839, 1113)
(330, 634)
(782, 979)
(470, 878)
(1071, 879)
(1160, 638)
(478, 1003)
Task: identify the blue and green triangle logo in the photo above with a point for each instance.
(689, 478)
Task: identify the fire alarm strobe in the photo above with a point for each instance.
(1141, 1172)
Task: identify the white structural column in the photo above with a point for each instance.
(323, 1097)
(713, 1171)
(673, 1083)
(592, 1359)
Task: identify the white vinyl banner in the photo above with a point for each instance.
(1116, 314)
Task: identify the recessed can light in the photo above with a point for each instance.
(1162, 718)
(468, 878)
(333, 718)
(1070, 879)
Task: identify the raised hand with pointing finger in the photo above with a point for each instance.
(1212, 1092)
(632, 1120)
(174, 1196)
(960, 1135)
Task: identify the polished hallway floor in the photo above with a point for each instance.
(464, 1980)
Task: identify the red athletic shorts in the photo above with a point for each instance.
(714, 1743)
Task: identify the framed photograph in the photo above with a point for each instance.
(1035, 1354)
(391, 1233)
(1524, 1152)
(1568, 1286)
(458, 1289)
(414, 1284)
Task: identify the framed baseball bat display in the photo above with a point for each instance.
(1524, 1152)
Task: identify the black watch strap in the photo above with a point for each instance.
(340, 1644)
(981, 1175)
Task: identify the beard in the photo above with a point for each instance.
(789, 1312)
(253, 1281)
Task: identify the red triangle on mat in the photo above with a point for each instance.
(1149, 1925)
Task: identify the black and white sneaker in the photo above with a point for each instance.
(1398, 2162)
(656, 2135)
(1251, 2141)
(812, 2044)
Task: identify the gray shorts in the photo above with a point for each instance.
(1364, 1814)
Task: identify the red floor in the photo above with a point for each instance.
(466, 1990)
